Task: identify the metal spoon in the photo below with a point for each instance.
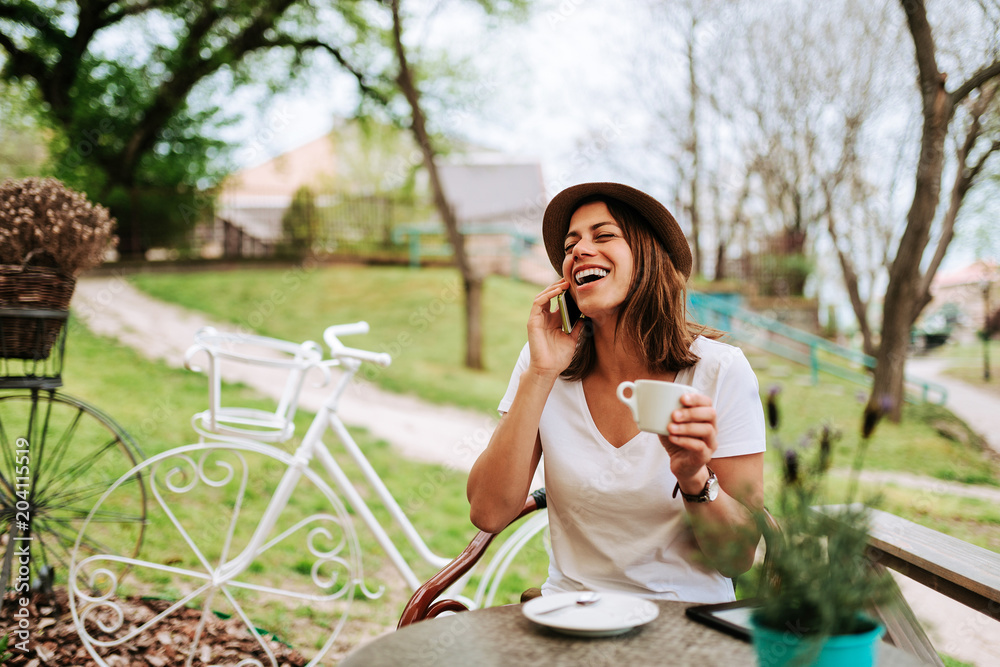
(586, 598)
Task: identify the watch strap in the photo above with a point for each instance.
(701, 497)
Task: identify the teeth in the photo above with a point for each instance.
(600, 273)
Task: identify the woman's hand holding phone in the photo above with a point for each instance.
(551, 349)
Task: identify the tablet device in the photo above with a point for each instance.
(733, 618)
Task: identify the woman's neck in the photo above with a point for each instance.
(617, 360)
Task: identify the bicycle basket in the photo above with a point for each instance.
(32, 288)
(32, 347)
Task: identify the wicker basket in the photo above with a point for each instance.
(32, 288)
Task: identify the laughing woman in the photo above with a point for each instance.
(616, 519)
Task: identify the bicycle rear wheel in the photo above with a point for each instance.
(57, 456)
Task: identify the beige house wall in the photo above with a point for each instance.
(313, 164)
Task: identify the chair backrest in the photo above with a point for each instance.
(288, 362)
(427, 601)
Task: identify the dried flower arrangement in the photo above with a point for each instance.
(819, 582)
(45, 224)
(49, 234)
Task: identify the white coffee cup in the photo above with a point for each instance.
(652, 401)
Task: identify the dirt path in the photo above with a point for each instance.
(454, 437)
(442, 434)
(980, 409)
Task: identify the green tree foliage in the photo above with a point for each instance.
(135, 90)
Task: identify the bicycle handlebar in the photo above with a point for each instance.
(339, 350)
(348, 329)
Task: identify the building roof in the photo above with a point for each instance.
(491, 191)
(973, 274)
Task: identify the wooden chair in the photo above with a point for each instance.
(425, 603)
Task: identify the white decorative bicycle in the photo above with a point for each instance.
(225, 563)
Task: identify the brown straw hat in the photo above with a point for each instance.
(555, 224)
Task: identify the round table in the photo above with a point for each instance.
(502, 636)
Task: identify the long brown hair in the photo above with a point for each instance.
(653, 317)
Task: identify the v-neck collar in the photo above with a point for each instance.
(592, 425)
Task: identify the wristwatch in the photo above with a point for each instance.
(707, 495)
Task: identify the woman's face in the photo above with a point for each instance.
(598, 262)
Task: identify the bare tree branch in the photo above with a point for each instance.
(965, 177)
(980, 78)
(131, 9)
(361, 77)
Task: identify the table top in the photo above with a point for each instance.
(503, 636)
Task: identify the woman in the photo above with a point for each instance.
(615, 519)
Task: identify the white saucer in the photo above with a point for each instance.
(613, 614)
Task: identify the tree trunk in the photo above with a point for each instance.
(695, 175)
(472, 282)
(900, 309)
(908, 287)
(473, 322)
(720, 261)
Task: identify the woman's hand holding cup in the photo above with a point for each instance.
(683, 418)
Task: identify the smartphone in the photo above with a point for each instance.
(568, 310)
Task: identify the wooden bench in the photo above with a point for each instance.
(962, 571)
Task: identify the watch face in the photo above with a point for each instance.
(712, 488)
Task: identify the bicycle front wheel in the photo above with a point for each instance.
(207, 557)
(57, 456)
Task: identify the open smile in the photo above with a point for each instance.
(589, 275)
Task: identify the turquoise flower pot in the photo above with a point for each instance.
(777, 648)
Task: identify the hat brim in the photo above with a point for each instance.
(555, 222)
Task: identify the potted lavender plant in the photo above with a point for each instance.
(817, 583)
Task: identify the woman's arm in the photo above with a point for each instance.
(725, 528)
(501, 477)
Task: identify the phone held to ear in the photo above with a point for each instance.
(568, 310)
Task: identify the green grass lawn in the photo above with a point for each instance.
(416, 315)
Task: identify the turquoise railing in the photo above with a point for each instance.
(415, 235)
(812, 351)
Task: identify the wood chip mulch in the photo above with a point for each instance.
(52, 638)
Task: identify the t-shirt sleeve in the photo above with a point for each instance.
(515, 379)
(739, 413)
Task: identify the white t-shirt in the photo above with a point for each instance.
(613, 523)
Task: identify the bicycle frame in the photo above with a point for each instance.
(214, 422)
(244, 432)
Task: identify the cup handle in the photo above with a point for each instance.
(629, 400)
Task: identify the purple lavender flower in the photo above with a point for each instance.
(772, 406)
(791, 466)
(827, 435)
(874, 414)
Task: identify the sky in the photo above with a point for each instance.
(540, 91)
